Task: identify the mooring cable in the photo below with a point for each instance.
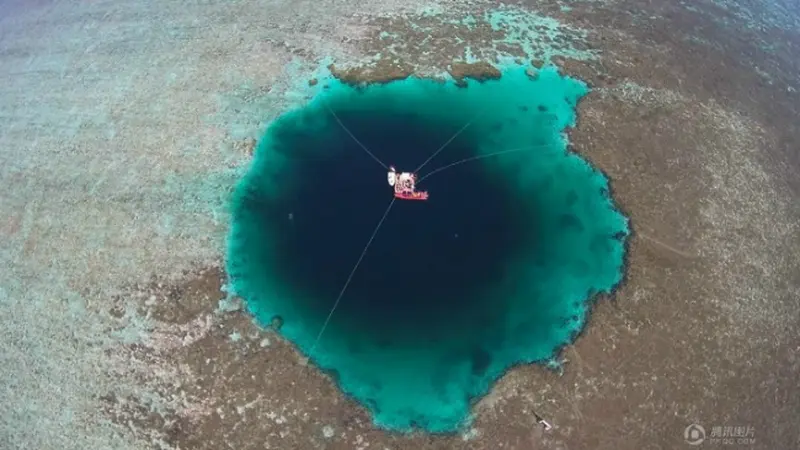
(336, 116)
(350, 277)
(447, 143)
(475, 158)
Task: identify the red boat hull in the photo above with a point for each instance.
(411, 195)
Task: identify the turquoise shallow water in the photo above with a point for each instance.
(498, 268)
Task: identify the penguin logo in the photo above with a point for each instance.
(694, 434)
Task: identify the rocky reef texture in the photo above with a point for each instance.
(125, 125)
(480, 71)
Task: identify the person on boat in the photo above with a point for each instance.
(404, 184)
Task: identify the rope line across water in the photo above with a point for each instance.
(350, 277)
(475, 158)
(335, 116)
(447, 143)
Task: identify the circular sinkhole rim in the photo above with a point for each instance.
(590, 301)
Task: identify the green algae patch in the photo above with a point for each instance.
(498, 268)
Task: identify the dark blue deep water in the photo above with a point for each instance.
(497, 268)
